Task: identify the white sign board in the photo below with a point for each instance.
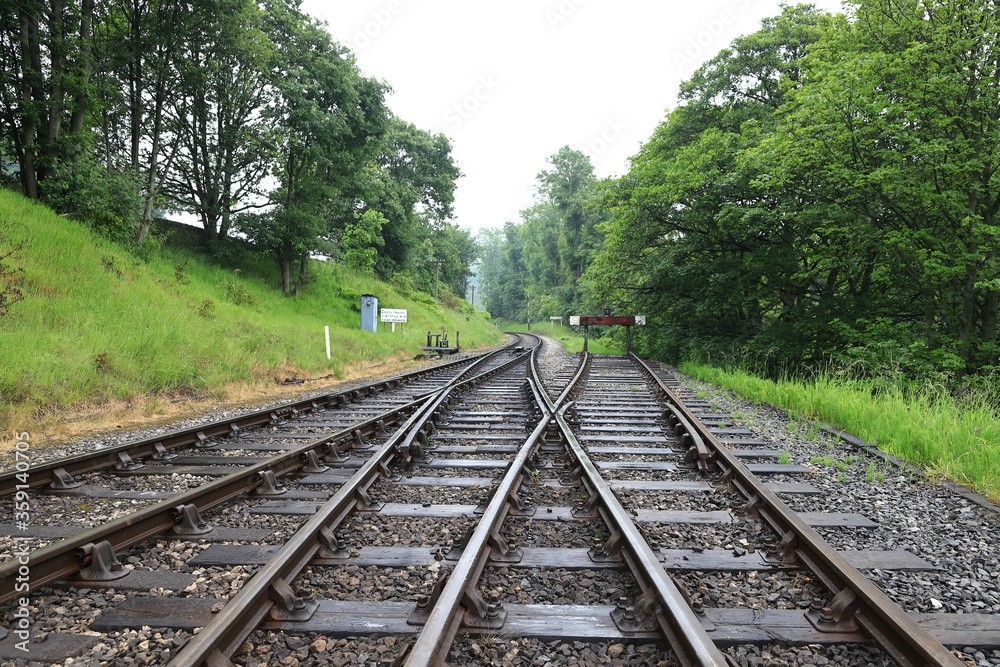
(393, 315)
(574, 320)
(640, 320)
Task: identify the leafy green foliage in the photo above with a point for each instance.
(245, 114)
(236, 292)
(156, 336)
(533, 270)
(955, 437)
(361, 240)
(108, 201)
(826, 190)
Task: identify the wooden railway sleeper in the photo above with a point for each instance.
(189, 521)
(287, 605)
(99, 563)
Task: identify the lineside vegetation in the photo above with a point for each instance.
(96, 324)
(954, 438)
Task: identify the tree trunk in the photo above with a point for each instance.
(990, 312)
(135, 85)
(86, 69)
(57, 65)
(30, 71)
(286, 276)
(968, 314)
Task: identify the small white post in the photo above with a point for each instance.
(393, 327)
(327, 331)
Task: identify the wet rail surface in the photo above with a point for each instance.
(430, 538)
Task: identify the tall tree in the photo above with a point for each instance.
(329, 119)
(899, 128)
(141, 43)
(411, 181)
(46, 67)
(502, 274)
(696, 236)
(223, 134)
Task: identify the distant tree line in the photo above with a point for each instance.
(533, 269)
(827, 189)
(244, 113)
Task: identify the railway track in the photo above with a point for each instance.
(514, 513)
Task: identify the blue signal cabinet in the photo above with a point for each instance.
(369, 313)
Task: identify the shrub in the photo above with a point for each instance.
(237, 293)
(110, 202)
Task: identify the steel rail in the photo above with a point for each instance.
(446, 617)
(681, 627)
(67, 557)
(62, 559)
(216, 641)
(213, 645)
(43, 474)
(855, 596)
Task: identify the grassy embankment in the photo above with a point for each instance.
(957, 439)
(99, 329)
(570, 339)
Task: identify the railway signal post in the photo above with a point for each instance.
(627, 321)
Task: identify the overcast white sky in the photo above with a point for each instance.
(511, 82)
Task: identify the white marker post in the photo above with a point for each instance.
(327, 330)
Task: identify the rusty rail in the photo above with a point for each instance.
(42, 475)
(269, 591)
(856, 600)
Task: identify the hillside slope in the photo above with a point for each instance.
(97, 325)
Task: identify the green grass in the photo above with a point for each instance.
(97, 324)
(571, 340)
(957, 439)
